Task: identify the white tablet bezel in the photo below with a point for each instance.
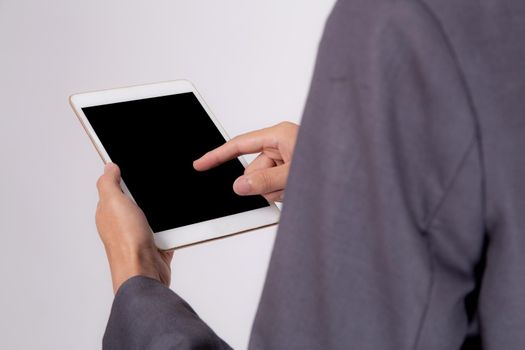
(189, 234)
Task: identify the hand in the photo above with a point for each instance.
(268, 173)
(126, 234)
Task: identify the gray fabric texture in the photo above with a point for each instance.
(404, 218)
(148, 315)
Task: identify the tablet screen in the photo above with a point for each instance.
(154, 141)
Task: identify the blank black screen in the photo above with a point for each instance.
(154, 141)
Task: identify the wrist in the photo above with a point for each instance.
(127, 262)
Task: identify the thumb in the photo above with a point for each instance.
(109, 183)
(262, 181)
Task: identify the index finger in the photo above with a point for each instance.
(251, 142)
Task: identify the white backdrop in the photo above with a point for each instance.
(252, 62)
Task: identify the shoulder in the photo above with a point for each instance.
(379, 32)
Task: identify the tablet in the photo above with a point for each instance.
(154, 133)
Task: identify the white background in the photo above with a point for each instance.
(252, 62)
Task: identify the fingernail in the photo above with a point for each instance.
(242, 185)
(107, 167)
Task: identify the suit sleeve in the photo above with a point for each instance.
(148, 315)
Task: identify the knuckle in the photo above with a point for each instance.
(287, 125)
(266, 181)
(237, 149)
(216, 158)
(100, 182)
(287, 130)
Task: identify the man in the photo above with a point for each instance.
(403, 223)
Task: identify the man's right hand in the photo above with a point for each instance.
(268, 173)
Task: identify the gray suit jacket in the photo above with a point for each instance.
(404, 220)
